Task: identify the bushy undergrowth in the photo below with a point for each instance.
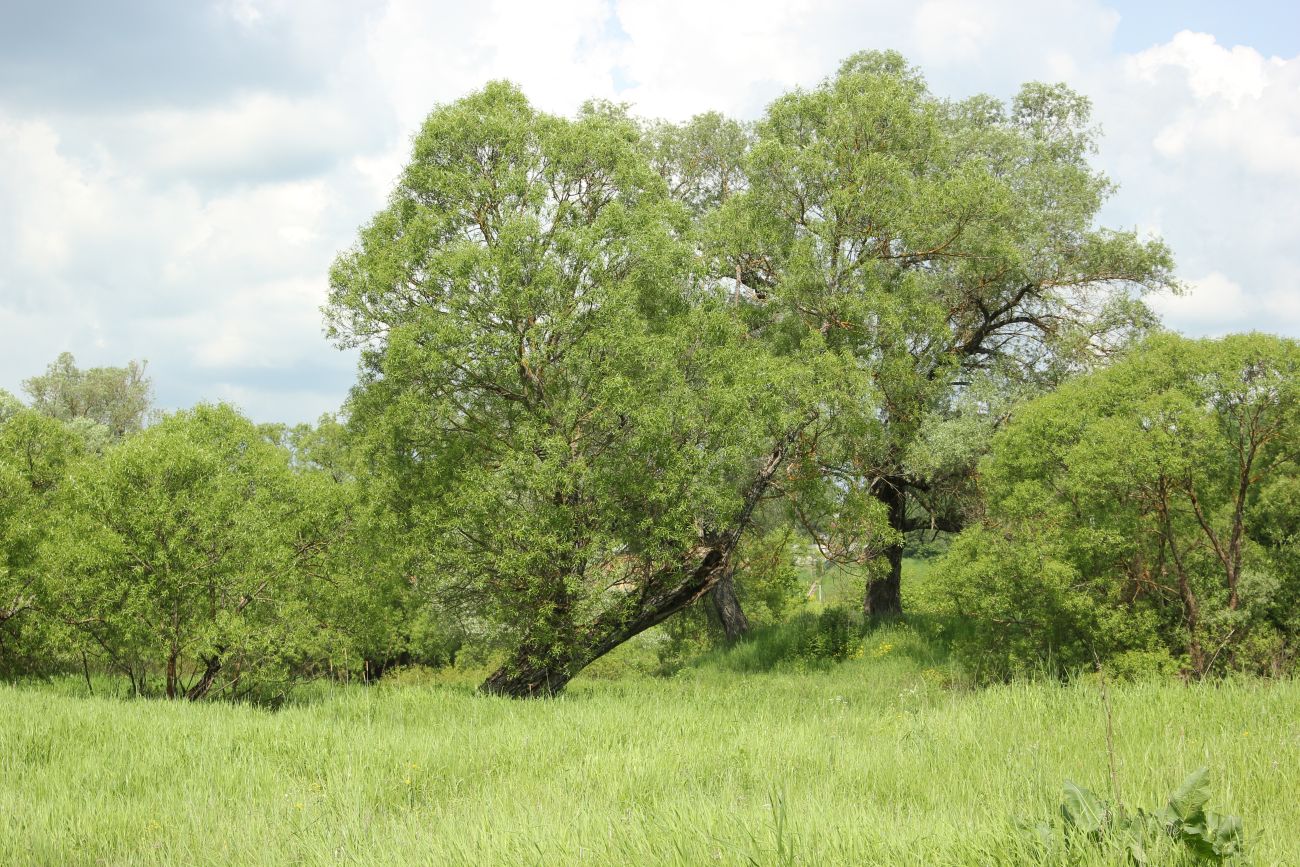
(807, 640)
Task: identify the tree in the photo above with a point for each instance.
(36, 455)
(116, 397)
(389, 621)
(193, 556)
(9, 406)
(937, 242)
(571, 427)
(1143, 513)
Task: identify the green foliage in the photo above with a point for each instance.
(9, 406)
(835, 636)
(194, 561)
(950, 248)
(1204, 834)
(116, 397)
(589, 345)
(702, 161)
(1143, 510)
(807, 640)
(36, 454)
(555, 409)
(767, 582)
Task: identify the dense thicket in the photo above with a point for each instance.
(35, 454)
(200, 556)
(1144, 515)
(193, 554)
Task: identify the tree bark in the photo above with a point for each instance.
(884, 597)
(727, 606)
(171, 673)
(533, 672)
(530, 674)
(537, 672)
(211, 666)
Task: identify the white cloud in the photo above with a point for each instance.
(262, 325)
(1204, 141)
(100, 258)
(1215, 304)
(199, 234)
(1211, 70)
(424, 54)
(48, 198)
(1212, 304)
(245, 12)
(256, 135)
(1242, 105)
(728, 59)
(958, 28)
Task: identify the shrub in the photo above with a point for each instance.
(1146, 512)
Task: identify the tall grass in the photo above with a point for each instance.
(884, 759)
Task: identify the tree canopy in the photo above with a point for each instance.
(571, 420)
(1143, 513)
(941, 244)
(36, 454)
(609, 366)
(195, 559)
(116, 397)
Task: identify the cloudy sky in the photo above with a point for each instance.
(176, 177)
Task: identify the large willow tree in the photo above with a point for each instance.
(572, 425)
(944, 245)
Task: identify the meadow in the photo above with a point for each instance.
(887, 758)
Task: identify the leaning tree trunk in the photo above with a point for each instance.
(211, 667)
(727, 606)
(533, 672)
(884, 597)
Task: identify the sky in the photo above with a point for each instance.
(176, 178)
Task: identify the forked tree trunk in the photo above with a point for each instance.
(533, 672)
(884, 598)
(211, 667)
(727, 606)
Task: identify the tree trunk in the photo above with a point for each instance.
(171, 673)
(884, 595)
(727, 606)
(533, 672)
(529, 674)
(211, 666)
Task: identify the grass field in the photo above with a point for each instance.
(879, 760)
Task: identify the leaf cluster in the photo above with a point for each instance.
(1207, 836)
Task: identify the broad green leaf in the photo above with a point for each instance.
(1081, 809)
(1227, 837)
(1190, 797)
